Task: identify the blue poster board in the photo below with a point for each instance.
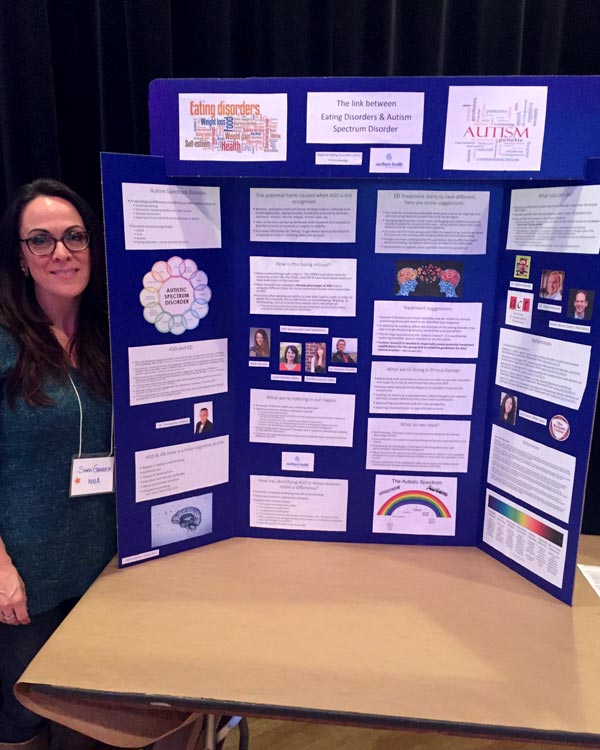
(427, 381)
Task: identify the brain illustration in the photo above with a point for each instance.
(175, 296)
(450, 275)
(188, 518)
(406, 274)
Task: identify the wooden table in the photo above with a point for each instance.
(437, 639)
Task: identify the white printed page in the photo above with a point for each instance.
(299, 503)
(495, 128)
(172, 469)
(167, 372)
(421, 388)
(533, 542)
(296, 215)
(301, 418)
(426, 329)
(550, 369)
(531, 471)
(558, 220)
(432, 221)
(418, 444)
(171, 217)
(303, 286)
(364, 117)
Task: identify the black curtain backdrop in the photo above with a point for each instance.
(74, 74)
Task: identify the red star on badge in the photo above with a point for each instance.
(77, 480)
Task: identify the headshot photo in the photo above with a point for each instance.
(522, 266)
(508, 408)
(344, 351)
(551, 286)
(315, 356)
(581, 304)
(290, 357)
(259, 345)
(203, 415)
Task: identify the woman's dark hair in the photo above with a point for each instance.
(505, 399)
(40, 353)
(266, 348)
(294, 350)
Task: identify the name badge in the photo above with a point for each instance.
(92, 475)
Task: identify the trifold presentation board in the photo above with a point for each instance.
(358, 310)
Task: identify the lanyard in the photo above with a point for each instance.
(91, 474)
(112, 421)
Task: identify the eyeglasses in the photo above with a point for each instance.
(45, 244)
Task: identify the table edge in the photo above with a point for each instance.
(322, 716)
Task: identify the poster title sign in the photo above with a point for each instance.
(364, 117)
(233, 127)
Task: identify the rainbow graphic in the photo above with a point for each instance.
(414, 497)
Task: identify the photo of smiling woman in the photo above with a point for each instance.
(508, 408)
(290, 357)
(260, 346)
(55, 404)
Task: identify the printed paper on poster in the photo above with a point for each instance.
(171, 217)
(519, 309)
(440, 445)
(301, 418)
(414, 505)
(232, 127)
(533, 542)
(558, 220)
(531, 471)
(495, 128)
(421, 388)
(432, 221)
(299, 503)
(364, 117)
(389, 160)
(181, 520)
(167, 372)
(303, 286)
(546, 368)
(173, 469)
(426, 329)
(299, 215)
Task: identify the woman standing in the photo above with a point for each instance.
(55, 405)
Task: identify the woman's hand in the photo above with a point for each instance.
(13, 599)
